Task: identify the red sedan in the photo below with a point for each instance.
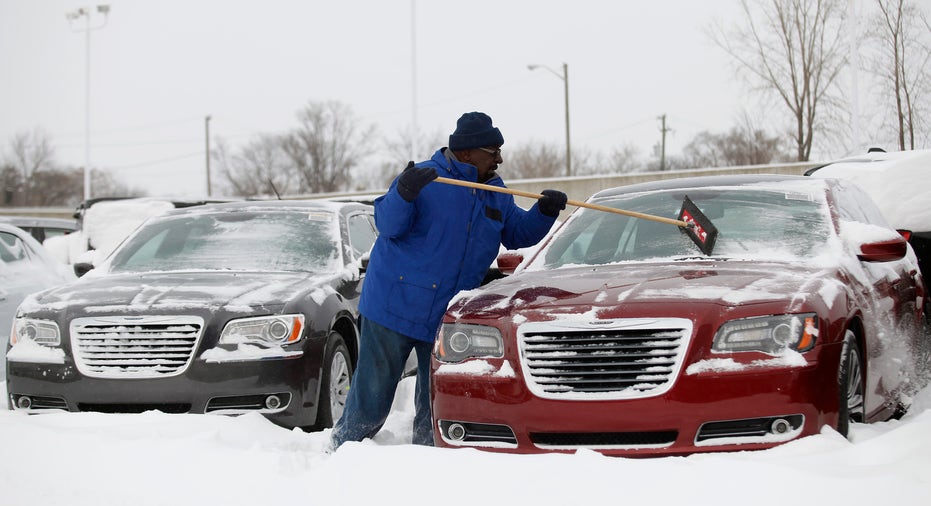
(620, 336)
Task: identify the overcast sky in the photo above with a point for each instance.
(158, 68)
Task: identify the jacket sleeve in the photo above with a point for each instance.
(394, 215)
(524, 228)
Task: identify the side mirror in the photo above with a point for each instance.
(82, 268)
(508, 262)
(364, 263)
(883, 251)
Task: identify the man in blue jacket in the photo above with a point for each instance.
(434, 241)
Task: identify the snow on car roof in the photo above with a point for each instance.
(897, 182)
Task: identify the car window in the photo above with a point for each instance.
(749, 222)
(361, 234)
(855, 205)
(12, 249)
(277, 241)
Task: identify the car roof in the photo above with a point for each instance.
(698, 182)
(25, 237)
(34, 221)
(13, 229)
(896, 181)
(877, 160)
(272, 205)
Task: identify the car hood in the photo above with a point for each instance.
(178, 290)
(724, 283)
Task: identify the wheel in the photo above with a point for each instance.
(850, 385)
(334, 385)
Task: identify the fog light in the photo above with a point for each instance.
(24, 402)
(780, 426)
(272, 402)
(456, 432)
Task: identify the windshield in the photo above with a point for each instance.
(751, 222)
(246, 241)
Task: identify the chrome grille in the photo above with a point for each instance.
(603, 359)
(134, 346)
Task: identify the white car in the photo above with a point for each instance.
(898, 182)
(25, 267)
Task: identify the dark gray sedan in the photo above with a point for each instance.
(226, 308)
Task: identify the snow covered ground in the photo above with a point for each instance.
(91, 459)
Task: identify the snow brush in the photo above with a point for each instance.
(692, 222)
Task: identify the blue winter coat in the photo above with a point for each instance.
(442, 242)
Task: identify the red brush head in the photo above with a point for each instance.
(700, 230)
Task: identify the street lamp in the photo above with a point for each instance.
(565, 79)
(85, 12)
(207, 141)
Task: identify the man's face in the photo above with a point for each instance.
(486, 160)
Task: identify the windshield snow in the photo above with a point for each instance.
(752, 223)
(245, 241)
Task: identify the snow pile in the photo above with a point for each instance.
(93, 459)
(105, 225)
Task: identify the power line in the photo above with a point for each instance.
(157, 162)
(120, 129)
(135, 143)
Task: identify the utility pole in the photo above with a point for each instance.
(415, 133)
(662, 152)
(207, 139)
(565, 79)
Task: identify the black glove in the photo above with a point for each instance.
(552, 202)
(413, 179)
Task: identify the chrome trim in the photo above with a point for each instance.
(135, 347)
(750, 431)
(628, 358)
(246, 407)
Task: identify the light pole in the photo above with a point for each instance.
(207, 141)
(565, 79)
(73, 16)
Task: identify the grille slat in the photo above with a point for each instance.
(135, 347)
(611, 358)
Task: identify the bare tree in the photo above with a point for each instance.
(58, 187)
(30, 153)
(623, 159)
(104, 184)
(261, 167)
(744, 144)
(532, 160)
(794, 49)
(396, 154)
(901, 62)
(11, 182)
(327, 145)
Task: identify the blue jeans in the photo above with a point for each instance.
(382, 355)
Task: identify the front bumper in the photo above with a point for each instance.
(754, 408)
(284, 389)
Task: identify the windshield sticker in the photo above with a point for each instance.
(320, 216)
(800, 196)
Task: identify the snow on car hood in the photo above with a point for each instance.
(234, 291)
(724, 283)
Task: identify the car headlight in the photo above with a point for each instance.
(44, 332)
(270, 330)
(768, 334)
(456, 342)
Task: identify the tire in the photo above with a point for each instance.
(850, 385)
(334, 382)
